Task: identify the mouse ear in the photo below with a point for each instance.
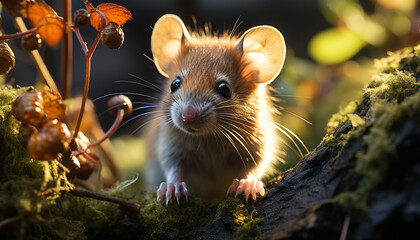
(168, 35)
(265, 48)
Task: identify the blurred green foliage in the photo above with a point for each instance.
(343, 54)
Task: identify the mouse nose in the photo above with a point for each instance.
(189, 115)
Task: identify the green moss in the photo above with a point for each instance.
(174, 218)
(390, 99)
(244, 221)
(22, 181)
(335, 123)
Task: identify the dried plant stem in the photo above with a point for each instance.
(18, 35)
(99, 196)
(88, 69)
(112, 129)
(20, 25)
(67, 52)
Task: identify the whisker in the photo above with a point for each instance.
(140, 84)
(293, 134)
(144, 80)
(132, 110)
(235, 27)
(294, 114)
(150, 121)
(145, 55)
(123, 93)
(290, 95)
(231, 141)
(143, 107)
(298, 152)
(240, 142)
(287, 135)
(138, 116)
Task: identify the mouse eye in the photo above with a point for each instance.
(176, 84)
(223, 89)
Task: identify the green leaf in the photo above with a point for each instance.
(334, 45)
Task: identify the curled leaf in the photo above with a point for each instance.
(53, 104)
(51, 26)
(113, 13)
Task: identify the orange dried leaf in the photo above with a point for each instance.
(53, 104)
(53, 30)
(51, 25)
(113, 13)
(37, 10)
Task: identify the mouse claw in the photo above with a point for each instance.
(169, 192)
(249, 187)
(184, 190)
(161, 190)
(181, 189)
(233, 186)
(260, 188)
(178, 189)
(254, 190)
(241, 187)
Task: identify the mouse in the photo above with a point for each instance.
(213, 132)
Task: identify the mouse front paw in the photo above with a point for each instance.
(172, 188)
(247, 187)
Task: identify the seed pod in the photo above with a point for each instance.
(81, 17)
(7, 58)
(118, 102)
(28, 108)
(31, 42)
(86, 169)
(112, 36)
(52, 139)
(25, 132)
(71, 163)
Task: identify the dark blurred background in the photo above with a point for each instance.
(330, 44)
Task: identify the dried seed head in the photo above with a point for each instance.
(119, 102)
(31, 42)
(81, 18)
(25, 132)
(29, 108)
(52, 139)
(7, 58)
(112, 36)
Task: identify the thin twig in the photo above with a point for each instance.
(87, 74)
(81, 41)
(12, 220)
(112, 129)
(12, 36)
(345, 228)
(99, 196)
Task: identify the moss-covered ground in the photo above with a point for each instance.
(29, 188)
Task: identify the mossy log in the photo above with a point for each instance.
(361, 182)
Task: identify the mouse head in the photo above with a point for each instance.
(212, 76)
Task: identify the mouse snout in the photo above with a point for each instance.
(189, 115)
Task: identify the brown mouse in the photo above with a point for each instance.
(214, 129)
